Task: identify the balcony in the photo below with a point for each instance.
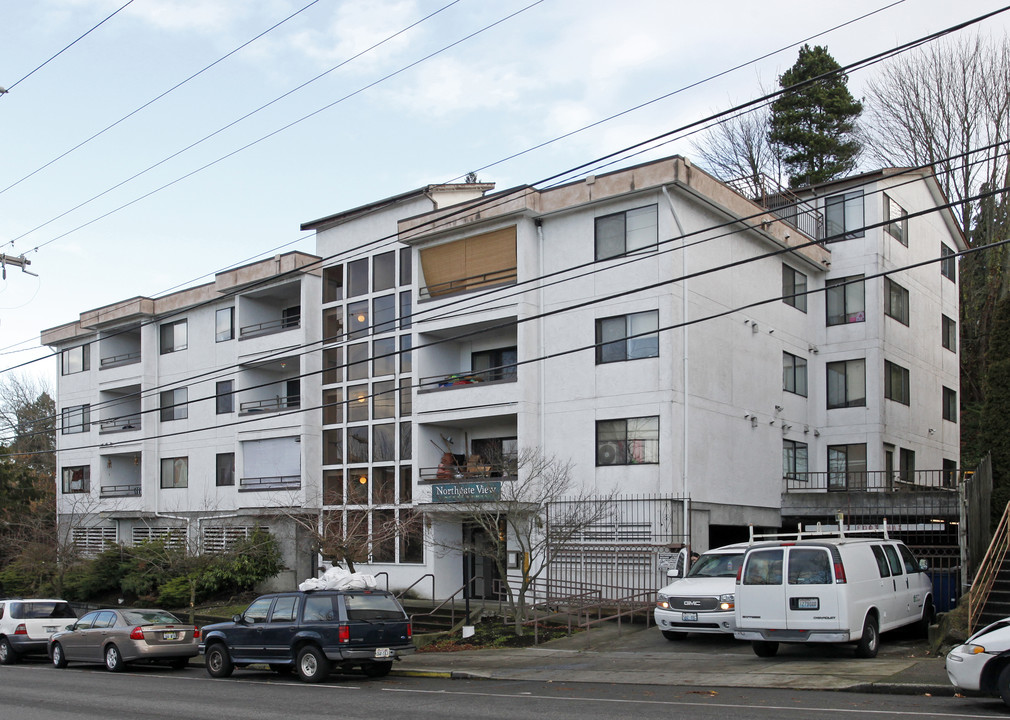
(119, 424)
(121, 475)
(114, 491)
(119, 360)
(873, 481)
(274, 404)
(119, 409)
(782, 202)
(290, 322)
(270, 310)
(462, 379)
(482, 281)
(263, 484)
(476, 469)
(119, 348)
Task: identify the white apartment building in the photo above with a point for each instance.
(446, 330)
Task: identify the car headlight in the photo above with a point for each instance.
(973, 649)
(726, 602)
(663, 602)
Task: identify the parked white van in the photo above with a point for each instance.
(701, 602)
(827, 587)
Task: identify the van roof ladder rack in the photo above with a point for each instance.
(840, 532)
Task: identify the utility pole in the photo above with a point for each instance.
(20, 261)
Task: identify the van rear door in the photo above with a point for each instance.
(811, 596)
(760, 599)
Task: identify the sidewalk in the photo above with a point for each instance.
(641, 656)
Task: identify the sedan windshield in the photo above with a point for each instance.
(716, 565)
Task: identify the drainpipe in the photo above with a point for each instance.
(684, 378)
(540, 325)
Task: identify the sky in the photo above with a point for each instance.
(411, 92)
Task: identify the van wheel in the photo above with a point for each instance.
(928, 618)
(765, 648)
(869, 643)
(1003, 684)
(674, 636)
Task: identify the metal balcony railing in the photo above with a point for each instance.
(267, 328)
(274, 404)
(259, 484)
(131, 490)
(504, 374)
(471, 471)
(121, 359)
(872, 481)
(781, 202)
(119, 424)
(495, 277)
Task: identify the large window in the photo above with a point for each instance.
(224, 324)
(847, 384)
(357, 277)
(627, 337)
(846, 467)
(795, 462)
(631, 441)
(75, 419)
(627, 232)
(173, 404)
(225, 397)
(225, 469)
(497, 364)
(175, 472)
(75, 359)
(333, 283)
(949, 339)
(949, 404)
(895, 301)
(948, 263)
(898, 220)
(384, 314)
(794, 374)
(896, 385)
(794, 288)
(845, 300)
(384, 271)
(173, 337)
(76, 479)
(843, 215)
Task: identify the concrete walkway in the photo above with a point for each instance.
(642, 656)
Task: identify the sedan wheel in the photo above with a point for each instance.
(59, 659)
(113, 660)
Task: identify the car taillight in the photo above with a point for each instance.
(410, 631)
(137, 633)
(739, 573)
(839, 573)
(196, 632)
(343, 633)
(21, 630)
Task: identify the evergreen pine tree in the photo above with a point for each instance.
(815, 125)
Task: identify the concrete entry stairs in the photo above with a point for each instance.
(997, 606)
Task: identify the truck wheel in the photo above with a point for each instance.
(869, 643)
(219, 663)
(674, 636)
(765, 648)
(312, 665)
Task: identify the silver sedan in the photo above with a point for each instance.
(118, 636)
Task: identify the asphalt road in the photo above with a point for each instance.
(37, 691)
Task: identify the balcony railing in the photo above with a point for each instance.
(274, 404)
(117, 360)
(495, 277)
(782, 202)
(119, 424)
(267, 328)
(873, 481)
(457, 473)
(261, 484)
(505, 374)
(131, 490)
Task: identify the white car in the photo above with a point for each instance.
(982, 664)
(25, 626)
(702, 602)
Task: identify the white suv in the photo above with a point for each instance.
(25, 626)
(702, 602)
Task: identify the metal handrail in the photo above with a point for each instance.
(987, 569)
(278, 402)
(411, 586)
(451, 600)
(872, 481)
(266, 328)
(121, 359)
(380, 574)
(280, 482)
(118, 424)
(120, 490)
(494, 277)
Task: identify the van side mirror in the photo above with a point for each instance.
(923, 565)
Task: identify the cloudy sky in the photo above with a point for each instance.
(414, 92)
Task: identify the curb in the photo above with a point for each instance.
(423, 674)
(903, 689)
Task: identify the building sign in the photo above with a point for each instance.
(484, 491)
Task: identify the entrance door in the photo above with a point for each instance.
(478, 562)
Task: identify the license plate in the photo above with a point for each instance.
(689, 617)
(170, 636)
(383, 652)
(808, 604)
(51, 628)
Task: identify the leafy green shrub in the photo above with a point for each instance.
(174, 593)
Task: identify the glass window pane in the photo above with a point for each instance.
(645, 345)
(383, 271)
(641, 227)
(357, 403)
(609, 236)
(384, 357)
(333, 324)
(405, 266)
(357, 277)
(405, 310)
(333, 406)
(333, 283)
(383, 483)
(406, 360)
(406, 486)
(384, 443)
(357, 361)
(333, 487)
(357, 447)
(224, 324)
(333, 447)
(384, 314)
(405, 440)
(333, 366)
(384, 399)
(357, 320)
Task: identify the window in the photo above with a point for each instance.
(949, 404)
(496, 364)
(333, 487)
(627, 232)
(406, 398)
(949, 330)
(843, 215)
(627, 337)
(357, 403)
(225, 397)
(383, 445)
(794, 459)
(333, 283)
(357, 320)
(284, 609)
(333, 365)
(405, 266)
(896, 385)
(406, 313)
(75, 419)
(225, 473)
(173, 405)
(357, 449)
(75, 359)
(794, 288)
(333, 447)
(357, 278)
(173, 337)
(406, 446)
(333, 406)
(847, 384)
(383, 399)
(632, 441)
(898, 217)
(794, 374)
(76, 479)
(384, 357)
(383, 271)
(895, 301)
(809, 566)
(357, 361)
(845, 300)
(764, 567)
(333, 325)
(224, 324)
(883, 568)
(175, 472)
(846, 467)
(406, 359)
(906, 466)
(291, 317)
(384, 314)
(948, 263)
